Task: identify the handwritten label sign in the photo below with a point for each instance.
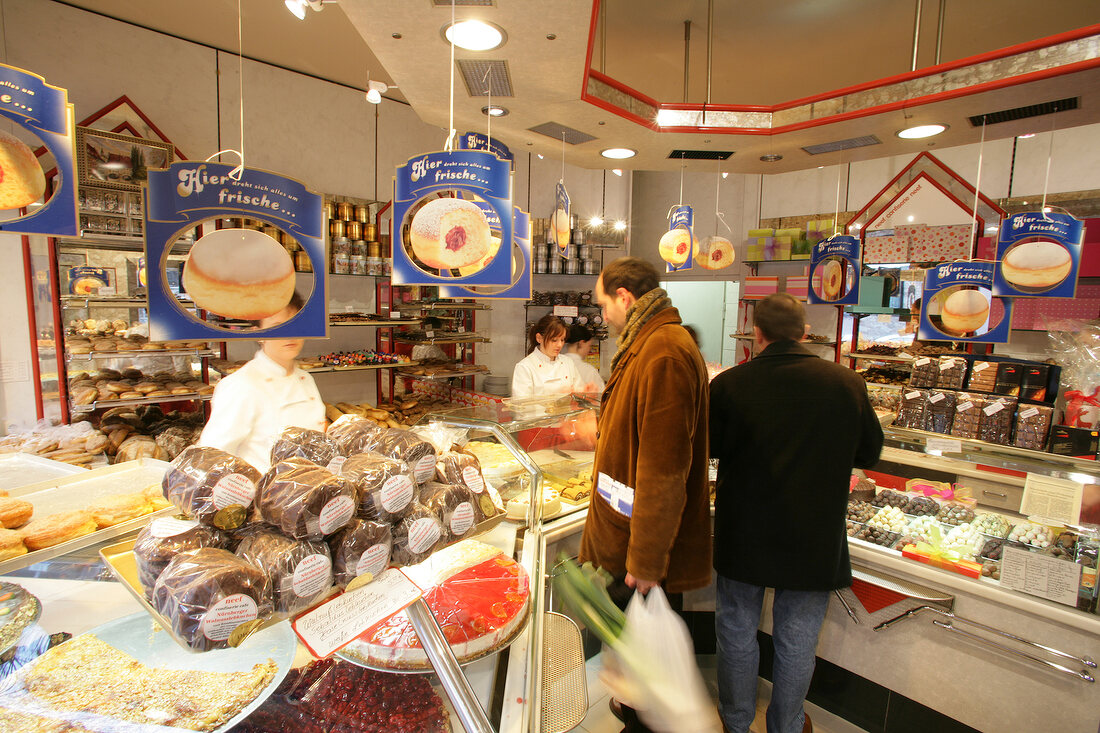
(944, 445)
(566, 310)
(1040, 575)
(335, 624)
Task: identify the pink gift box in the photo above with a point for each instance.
(760, 287)
(940, 244)
(890, 248)
(798, 286)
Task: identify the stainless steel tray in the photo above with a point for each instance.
(79, 491)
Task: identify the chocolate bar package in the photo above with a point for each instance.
(983, 376)
(1032, 426)
(1034, 384)
(1079, 442)
(939, 411)
(950, 372)
(968, 412)
(924, 373)
(997, 419)
(1009, 377)
(911, 409)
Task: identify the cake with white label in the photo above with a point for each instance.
(479, 596)
(519, 506)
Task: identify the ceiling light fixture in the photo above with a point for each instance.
(771, 158)
(620, 225)
(298, 7)
(1025, 137)
(375, 89)
(595, 221)
(494, 110)
(725, 174)
(618, 172)
(474, 35)
(618, 153)
(920, 131)
(540, 155)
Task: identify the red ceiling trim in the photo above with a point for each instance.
(125, 100)
(591, 45)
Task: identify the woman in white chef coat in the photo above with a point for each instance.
(578, 344)
(544, 371)
(269, 393)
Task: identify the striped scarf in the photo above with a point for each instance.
(637, 315)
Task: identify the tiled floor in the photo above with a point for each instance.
(600, 720)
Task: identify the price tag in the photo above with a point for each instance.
(993, 409)
(944, 445)
(395, 314)
(981, 366)
(922, 361)
(566, 310)
(462, 329)
(1040, 575)
(429, 334)
(937, 397)
(335, 624)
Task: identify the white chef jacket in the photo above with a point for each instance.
(255, 403)
(588, 373)
(537, 375)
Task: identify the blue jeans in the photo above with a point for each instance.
(796, 620)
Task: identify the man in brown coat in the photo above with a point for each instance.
(649, 519)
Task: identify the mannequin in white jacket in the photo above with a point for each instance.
(269, 393)
(543, 372)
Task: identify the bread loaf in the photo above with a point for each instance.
(304, 500)
(385, 486)
(453, 505)
(202, 481)
(300, 572)
(409, 447)
(313, 445)
(354, 434)
(416, 536)
(363, 546)
(205, 594)
(164, 538)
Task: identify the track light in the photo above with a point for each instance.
(618, 172)
(298, 7)
(375, 89)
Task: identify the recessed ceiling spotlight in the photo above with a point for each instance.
(494, 111)
(617, 171)
(474, 35)
(771, 157)
(396, 36)
(920, 131)
(618, 153)
(620, 225)
(595, 221)
(1025, 137)
(725, 174)
(551, 36)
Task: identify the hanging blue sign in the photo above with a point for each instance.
(43, 111)
(477, 141)
(958, 305)
(560, 221)
(677, 245)
(834, 271)
(1038, 255)
(520, 288)
(241, 280)
(451, 212)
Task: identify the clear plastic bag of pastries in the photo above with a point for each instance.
(385, 486)
(354, 434)
(364, 546)
(410, 448)
(206, 594)
(164, 538)
(453, 505)
(455, 467)
(305, 501)
(211, 486)
(416, 536)
(313, 445)
(300, 571)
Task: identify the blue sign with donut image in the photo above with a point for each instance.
(677, 245)
(834, 271)
(452, 211)
(238, 281)
(43, 112)
(1038, 254)
(958, 305)
(520, 287)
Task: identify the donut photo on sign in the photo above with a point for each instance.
(833, 278)
(964, 311)
(450, 235)
(675, 246)
(22, 182)
(1036, 264)
(238, 275)
(714, 253)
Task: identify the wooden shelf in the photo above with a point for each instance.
(104, 404)
(359, 367)
(878, 357)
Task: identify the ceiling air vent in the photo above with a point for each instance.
(852, 142)
(477, 83)
(460, 3)
(700, 154)
(1022, 113)
(556, 130)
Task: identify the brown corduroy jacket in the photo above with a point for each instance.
(652, 438)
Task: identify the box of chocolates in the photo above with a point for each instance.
(925, 372)
(1070, 441)
(1032, 426)
(911, 409)
(968, 412)
(939, 411)
(996, 420)
(1033, 385)
(1009, 378)
(983, 376)
(951, 372)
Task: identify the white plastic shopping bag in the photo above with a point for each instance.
(651, 668)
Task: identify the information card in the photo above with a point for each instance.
(1040, 575)
(1050, 500)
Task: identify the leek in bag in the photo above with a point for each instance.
(650, 660)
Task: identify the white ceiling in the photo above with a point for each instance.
(764, 52)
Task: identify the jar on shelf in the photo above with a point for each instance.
(374, 266)
(358, 265)
(374, 249)
(354, 230)
(359, 247)
(591, 267)
(329, 208)
(336, 228)
(584, 251)
(554, 266)
(370, 232)
(345, 211)
(572, 267)
(362, 213)
(341, 263)
(302, 262)
(341, 245)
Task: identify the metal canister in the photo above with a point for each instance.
(345, 210)
(341, 263)
(584, 251)
(362, 213)
(354, 230)
(591, 267)
(542, 250)
(387, 267)
(272, 232)
(374, 249)
(572, 267)
(336, 228)
(374, 265)
(328, 209)
(579, 235)
(540, 266)
(301, 261)
(370, 232)
(342, 246)
(554, 266)
(358, 265)
(359, 247)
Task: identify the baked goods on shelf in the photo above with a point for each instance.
(403, 411)
(409, 447)
(211, 486)
(353, 433)
(300, 572)
(164, 538)
(519, 506)
(305, 501)
(205, 594)
(453, 505)
(363, 546)
(14, 512)
(53, 529)
(416, 536)
(88, 675)
(479, 596)
(312, 445)
(385, 487)
(11, 544)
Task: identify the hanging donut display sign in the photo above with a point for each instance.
(834, 271)
(958, 305)
(520, 286)
(1038, 255)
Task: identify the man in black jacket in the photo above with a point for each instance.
(787, 428)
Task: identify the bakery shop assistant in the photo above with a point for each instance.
(543, 371)
(254, 405)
